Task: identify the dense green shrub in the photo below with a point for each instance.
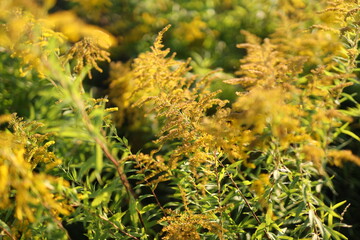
(255, 163)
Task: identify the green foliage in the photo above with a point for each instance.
(255, 163)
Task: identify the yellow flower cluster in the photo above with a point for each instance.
(35, 7)
(289, 92)
(21, 188)
(266, 66)
(75, 29)
(270, 109)
(185, 226)
(289, 101)
(339, 156)
(27, 38)
(33, 37)
(36, 150)
(259, 186)
(160, 85)
(296, 36)
(155, 169)
(192, 31)
(149, 75)
(86, 53)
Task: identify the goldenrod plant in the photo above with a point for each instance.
(255, 163)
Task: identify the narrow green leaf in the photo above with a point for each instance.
(233, 165)
(285, 237)
(143, 196)
(311, 216)
(351, 134)
(99, 158)
(85, 167)
(338, 204)
(117, 216)
(320, 226)
(296, 179)
(100, 198)
(246, 183)
(299, 209)
(221, 174)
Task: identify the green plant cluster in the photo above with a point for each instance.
(253, 153)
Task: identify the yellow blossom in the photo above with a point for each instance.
(75, 29)
(31, 190)
(340, 156)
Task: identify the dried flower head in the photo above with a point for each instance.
(186, 226)
(86, 53)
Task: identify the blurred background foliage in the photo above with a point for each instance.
(206, 30)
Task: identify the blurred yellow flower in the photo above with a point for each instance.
(191, 31)
(75, 29)
(340, 156)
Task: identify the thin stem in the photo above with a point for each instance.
(218, 183)
(120, 171)
(245, 200)
(343, 213)
(8, 233)
(117, 228)
(157, 200)
(91, 129)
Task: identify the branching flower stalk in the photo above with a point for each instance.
(72, 91)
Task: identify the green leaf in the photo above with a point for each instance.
(100, 198)
(299, 209)
(117, 216)
(222, 174)
(276, 174)
(296, 179)
(246, 183)
(351, 134)
(233, 165)
(143, 196)
(99, 158)
(339, 204)
(311, 216)
(348, 97)
(85, 167)
(285, 237)
(133, 212)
